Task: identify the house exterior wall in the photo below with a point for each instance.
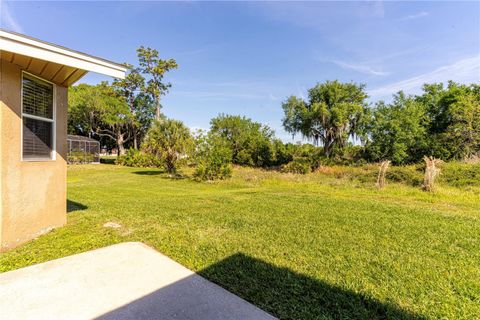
(33, 193)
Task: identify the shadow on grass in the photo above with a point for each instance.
(75, 206)
(290, 295)
(148, 173)
(108, 160)
(279, 291)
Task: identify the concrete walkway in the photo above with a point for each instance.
(124, 281)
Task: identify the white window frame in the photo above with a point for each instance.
(53, 121)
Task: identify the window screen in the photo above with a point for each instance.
(37, 105)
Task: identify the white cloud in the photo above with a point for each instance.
(7, 20)
(414, 16)
(360, 68)
(463, 71)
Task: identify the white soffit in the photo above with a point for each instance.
(30, 47)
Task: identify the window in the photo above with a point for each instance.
(38, 141)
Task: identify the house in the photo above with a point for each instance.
(34, 81)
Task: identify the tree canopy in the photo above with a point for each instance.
(155, 68)
(249, 141)
(124, 110)
(453, 119)
(332, 114)
(443, 122)
(397, 130)
(130, 88)
(99, 111)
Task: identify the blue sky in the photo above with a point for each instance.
(247, 57)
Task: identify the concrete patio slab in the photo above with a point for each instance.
(124, 281)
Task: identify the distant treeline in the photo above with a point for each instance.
(442, 121)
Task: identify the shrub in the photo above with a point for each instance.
(311, 154)
(299, 165)
(410, 175)
(288, 152)
(283, 152)
(213, 158)
(136, 158)
(170, 141)
(460, 174)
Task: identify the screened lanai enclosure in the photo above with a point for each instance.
(82, 150)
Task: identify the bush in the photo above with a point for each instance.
(213, 158)
(298, 165)
(136, 158)
(288, 152)
(169, 140)
(282, 152)
(311, 154)
(460, 174)
(410, 175)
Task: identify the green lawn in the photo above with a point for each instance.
(300, 247)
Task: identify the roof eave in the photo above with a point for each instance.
(27, 46)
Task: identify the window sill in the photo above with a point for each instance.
(38, 160)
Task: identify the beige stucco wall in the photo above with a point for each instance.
(33, 194)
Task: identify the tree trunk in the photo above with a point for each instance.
(157, 113)
(327, 148)
(135, 139)
(120, 142)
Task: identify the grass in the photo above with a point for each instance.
(320, 246)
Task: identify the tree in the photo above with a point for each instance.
(100, 111)
(250, 142)
(144, 114)
(84, 107)
(397, 131)
(169, 140)
(463, 132)
(333, 114)
(152, 65)
(453, 119)
(130, 88)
